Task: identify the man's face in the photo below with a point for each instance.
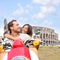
(16, 27)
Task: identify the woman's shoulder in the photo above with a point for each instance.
(24, 36)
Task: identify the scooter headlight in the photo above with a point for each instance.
(19, 58)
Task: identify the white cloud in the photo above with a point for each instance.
(55, 2)
(44, 2)
(44, 12)
(43, 9)
(2, 13)
(51, 10)
(22, 19)
(38, 15)
(47, 7)
(1, 31)
(47, 23)
(20, 11)
(29, 6)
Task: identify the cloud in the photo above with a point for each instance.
(55, 2)
(38, 15)
(44, 12)
(29, 6)
(20, 11)
(47, 7)
(22, 19)
(1, 31)
(47, 23)
(44, 2)
(1, 14)
(47, 2)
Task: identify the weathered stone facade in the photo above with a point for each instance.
(5, 26)
(47, 36)
(0, 37)
(1, 40)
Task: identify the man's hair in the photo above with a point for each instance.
(10, 24)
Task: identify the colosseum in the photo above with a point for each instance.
(47, 35)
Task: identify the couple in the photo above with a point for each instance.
(15, 32)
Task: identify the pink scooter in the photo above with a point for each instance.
(19, 51)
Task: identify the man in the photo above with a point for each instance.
(14, 28)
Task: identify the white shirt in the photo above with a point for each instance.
(25, 37)
(6, 40)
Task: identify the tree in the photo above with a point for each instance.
(37, 31)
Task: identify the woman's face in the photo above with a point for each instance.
(25, 29)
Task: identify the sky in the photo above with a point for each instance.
(45, 13)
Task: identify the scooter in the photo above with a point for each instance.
(20, 52)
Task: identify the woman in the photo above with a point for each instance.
(27, 29)
(26, 32)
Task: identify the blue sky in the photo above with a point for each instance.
(44, 13)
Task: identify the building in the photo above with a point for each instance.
(1, 40)
(0, 37)
(5, 26)
(48, 36)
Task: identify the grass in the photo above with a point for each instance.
(49, 53)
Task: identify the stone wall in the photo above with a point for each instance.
(48, 36)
